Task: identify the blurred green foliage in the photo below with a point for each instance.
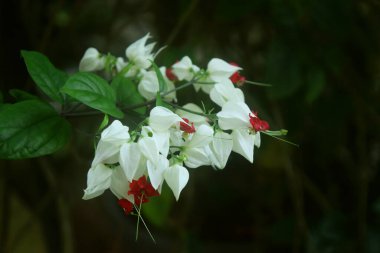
(322, 58)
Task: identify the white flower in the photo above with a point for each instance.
(101, 178)
(132, 161)
(141, 54)
(193, 148)
(236, 116)
(220, 149)
(184, 69)
(176, 176)
(149, 85)
(156, 171)
(224, 91)
(219, 70)
(110, 142)
(92, 60)
(161, 119)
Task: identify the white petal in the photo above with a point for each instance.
(184, 69)
(221, 148)
(196, 157)
(234, 115)
(176, 177)
(202, 137)
(161, 118)
(219, 69)
(91, 60)
(224, 92)
(243, 143)
(115, 133)
(119, 184)
(156, 171)
(98, 180)
(257, 139)
(137, 48)
(132, 161)
(148, 148)
(148, 86)
(104, 151)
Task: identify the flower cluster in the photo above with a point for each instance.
(135, 163)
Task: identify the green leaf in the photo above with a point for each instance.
(161, 81)
(94, 92)
(48, 78)
(21, 95)
(31, 128)
(127, 94)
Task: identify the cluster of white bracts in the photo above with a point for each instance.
(161, 149)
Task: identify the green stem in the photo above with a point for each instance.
(210, 116)
(286, 141)
(259, 84)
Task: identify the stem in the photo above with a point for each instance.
(179, 87)
(286, 141)
(259, 84)
(142, 220)
(210, 116)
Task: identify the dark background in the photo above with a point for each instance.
(322, 58)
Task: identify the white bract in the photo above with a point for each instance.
(218, 70)
(224, 92)
(92, 60)
(176, 177)
(184, 69)
(110, 142)
(102, 177)
(140, 54)
(149, 86)
(236, 116)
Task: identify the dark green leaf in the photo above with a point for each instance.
(94, 92)
(21, 95)
(31, 128)
(48, 78)
(126, 93)
(161, 81)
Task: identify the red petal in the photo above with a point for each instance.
(126, 205)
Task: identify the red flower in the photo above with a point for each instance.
(141, 189)
(236, 78)
(187, 127)
(170, 75)
(126, 205)
(258, 124)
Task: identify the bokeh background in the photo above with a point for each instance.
(322, 58)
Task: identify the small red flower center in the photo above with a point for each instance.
(187, 127)
(141, 190)
(170, 75)
(236, 78)
(258, 124)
